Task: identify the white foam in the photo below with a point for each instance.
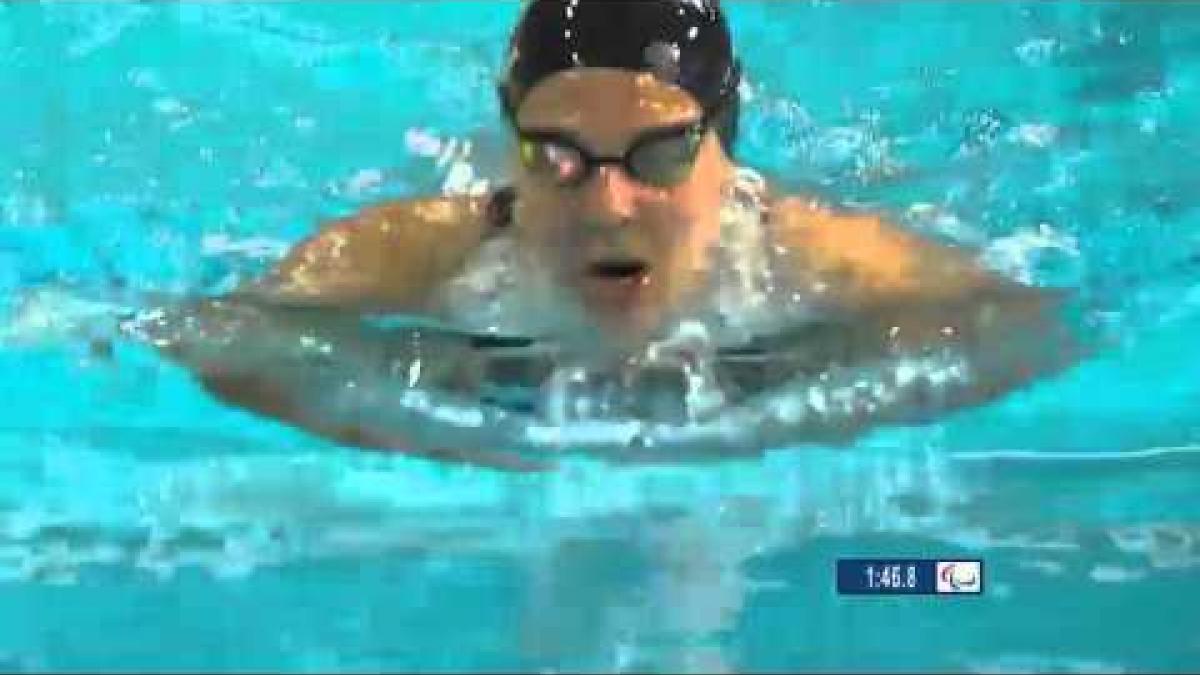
(422, 143)
(1021, 663)
(1034, 135)
(363, 182)
(1019, 255)
(220, 243)
(1115, 574)
(50, 315)
(1037, 51)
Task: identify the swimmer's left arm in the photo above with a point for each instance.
(900, 294)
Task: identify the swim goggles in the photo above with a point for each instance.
(659, 157)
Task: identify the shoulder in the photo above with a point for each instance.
(407, 230)
(401, 219)
(862, 258)
(389, 255)
(825, 237)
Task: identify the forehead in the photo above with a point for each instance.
(604, 102)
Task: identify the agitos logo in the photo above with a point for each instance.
(960, 576)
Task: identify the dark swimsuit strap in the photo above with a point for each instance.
(500, 209)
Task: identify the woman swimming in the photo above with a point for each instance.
(628, 219)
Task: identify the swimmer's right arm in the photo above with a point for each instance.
(245, 348)
(322, 370)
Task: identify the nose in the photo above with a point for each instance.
(609, 197)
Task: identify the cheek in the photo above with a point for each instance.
(702, 239)
(693, 224)
(534, 211)
(664, 226)
(541, 230)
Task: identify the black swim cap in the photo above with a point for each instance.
(684, 42)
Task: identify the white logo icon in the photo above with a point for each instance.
(959, 576)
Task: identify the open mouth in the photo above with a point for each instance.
(618, 269)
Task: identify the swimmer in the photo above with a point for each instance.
(624, 117)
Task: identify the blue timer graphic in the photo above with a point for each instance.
(874, 576)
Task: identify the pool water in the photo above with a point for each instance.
(182, 146)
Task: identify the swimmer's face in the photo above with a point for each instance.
(630, 249)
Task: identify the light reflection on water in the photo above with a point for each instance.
(588, 567)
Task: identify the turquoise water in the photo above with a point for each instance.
(180, 147)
